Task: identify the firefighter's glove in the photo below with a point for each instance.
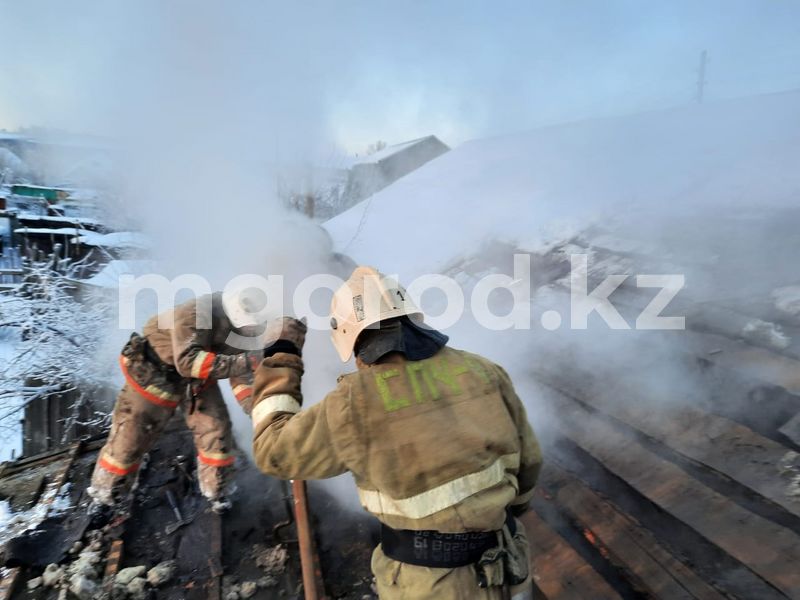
(278, 374)
(286, 335)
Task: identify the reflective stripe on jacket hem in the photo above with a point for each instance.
(272, 404)
(151, 393)
(216, 459)
(116, 467)
(441, 497)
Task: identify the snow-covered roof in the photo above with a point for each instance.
(44, 231)
(376, 157)
(70, 220)
(521, 186)
(31, 186)
(118, 239)
(108, 276)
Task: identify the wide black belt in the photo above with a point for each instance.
(427, 548)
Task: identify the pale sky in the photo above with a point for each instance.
(296, 75)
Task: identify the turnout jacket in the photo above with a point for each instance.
(189, 350)
(440, 444)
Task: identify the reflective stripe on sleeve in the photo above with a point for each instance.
(441, 497)
(272, 404)
(202, 363)
(242, 391)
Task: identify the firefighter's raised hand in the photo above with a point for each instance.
(286, 334)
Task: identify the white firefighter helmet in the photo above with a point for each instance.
(365, 299)
(245, 306)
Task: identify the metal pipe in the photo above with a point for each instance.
(309, 561)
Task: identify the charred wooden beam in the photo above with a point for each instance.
(767, 549)
(559, 571)
(725, 446)
(9, 583)
(113, 561)
(631, 548)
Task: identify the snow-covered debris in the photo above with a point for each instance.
(53, 574)
(787, 299)
(34, 583)
(82, 587)
(765, 333)
(271, 559)
(125, 576)
(161, 573)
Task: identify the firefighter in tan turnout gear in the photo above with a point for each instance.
(436, 438)
(179, 365)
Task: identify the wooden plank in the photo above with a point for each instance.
(22, 464)
(767, 549)
(63, 476)
(768, 366)
(558, 570)
(214, 585)
(9, 582)
(113, 561)
(626, 544)
(701, 437)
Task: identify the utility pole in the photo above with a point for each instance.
(701, 77)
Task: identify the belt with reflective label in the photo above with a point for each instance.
(426, 548)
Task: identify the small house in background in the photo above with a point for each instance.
(375, 171)
(321, 191)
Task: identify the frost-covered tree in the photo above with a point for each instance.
(49, 338)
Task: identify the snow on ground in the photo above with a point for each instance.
(542, 184)
(108, 276)
(54, 501)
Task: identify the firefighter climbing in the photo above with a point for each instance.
(178, 365)
(436, 438)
